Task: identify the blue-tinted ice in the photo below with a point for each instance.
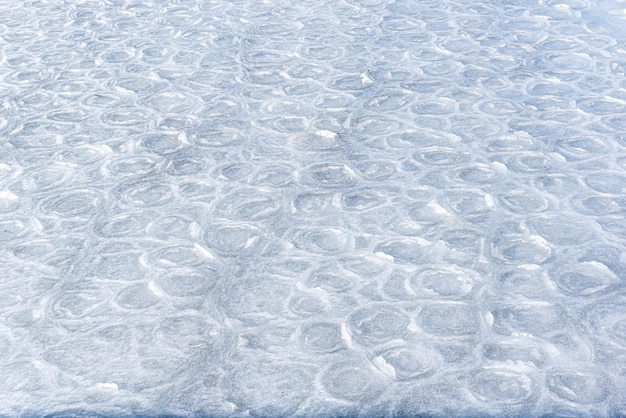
(313, 208)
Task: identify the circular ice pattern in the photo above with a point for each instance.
(355, 382)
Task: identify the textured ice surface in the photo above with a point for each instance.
(345, 207)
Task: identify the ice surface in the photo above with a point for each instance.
(312, 208)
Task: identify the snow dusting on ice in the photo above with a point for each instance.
(312, 208)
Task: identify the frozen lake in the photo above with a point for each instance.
(312, 208)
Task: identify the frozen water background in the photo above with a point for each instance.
(312, 207)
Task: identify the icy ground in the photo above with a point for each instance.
(312, 207)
